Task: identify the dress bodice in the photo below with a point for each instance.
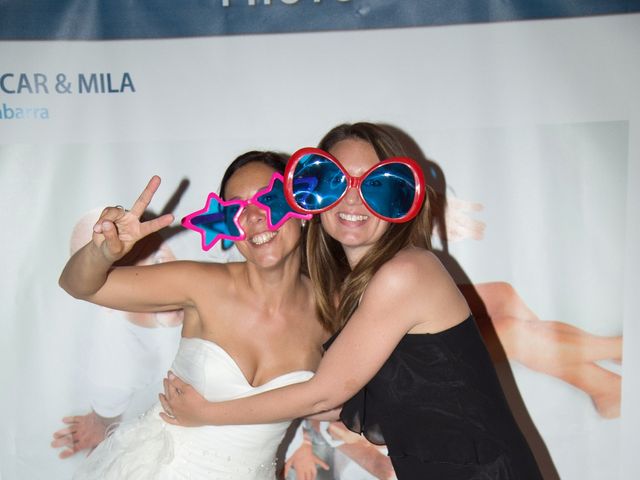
(215, 374)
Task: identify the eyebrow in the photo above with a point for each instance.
(257, 190)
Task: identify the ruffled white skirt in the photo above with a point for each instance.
(149, 448)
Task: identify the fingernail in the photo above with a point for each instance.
(171, 375)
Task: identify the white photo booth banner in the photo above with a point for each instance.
(530, 116)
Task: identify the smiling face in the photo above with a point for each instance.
(349, 222)
(262, 246)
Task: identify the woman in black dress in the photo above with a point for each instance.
(407, 361)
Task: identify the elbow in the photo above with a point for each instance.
(326, 396)
(67, 287)
(326, 404)
(319, 407)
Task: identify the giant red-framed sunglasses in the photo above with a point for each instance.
(392, 189)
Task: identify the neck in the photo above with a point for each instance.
(275, 287)
(355, 254)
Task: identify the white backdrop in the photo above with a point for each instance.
(538, 121)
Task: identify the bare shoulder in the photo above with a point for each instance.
(415, 282)
(412, 266)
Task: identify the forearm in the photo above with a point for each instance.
(281, 404)
(85, 272)
(346, 367)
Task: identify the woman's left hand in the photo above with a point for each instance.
(182, 404)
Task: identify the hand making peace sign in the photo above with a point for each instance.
(117, 229)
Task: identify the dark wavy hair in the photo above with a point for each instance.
(275, 160)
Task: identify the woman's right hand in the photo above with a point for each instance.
(182, 404)
(117, 229)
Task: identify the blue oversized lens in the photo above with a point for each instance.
(390, 190)
(317, 183)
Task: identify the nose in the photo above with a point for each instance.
(254, 214)
(352, 197)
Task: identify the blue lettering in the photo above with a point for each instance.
(7, 112)
(127, 82)
(110, 89)
(41, 82)
(3, 86)
(87, 86)
(25, 84)
(104, 83)
(19, 113)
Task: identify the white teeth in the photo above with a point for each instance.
(352, 218)
(263, 238)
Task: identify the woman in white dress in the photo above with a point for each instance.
(248, 327)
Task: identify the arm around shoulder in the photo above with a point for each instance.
(389, 309)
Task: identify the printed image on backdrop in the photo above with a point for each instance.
(530, 158)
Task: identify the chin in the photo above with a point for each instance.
(351, 238)
(268, 263)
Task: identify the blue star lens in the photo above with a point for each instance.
(218, 220)
(275, 200)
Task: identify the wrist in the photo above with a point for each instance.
(98, 256)
(209, 416)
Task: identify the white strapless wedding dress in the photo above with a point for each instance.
(148, 448)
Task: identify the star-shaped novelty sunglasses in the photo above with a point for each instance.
(220, 219)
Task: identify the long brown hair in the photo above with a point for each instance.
(337, 288)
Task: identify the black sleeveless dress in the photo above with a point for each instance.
(438, 406)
